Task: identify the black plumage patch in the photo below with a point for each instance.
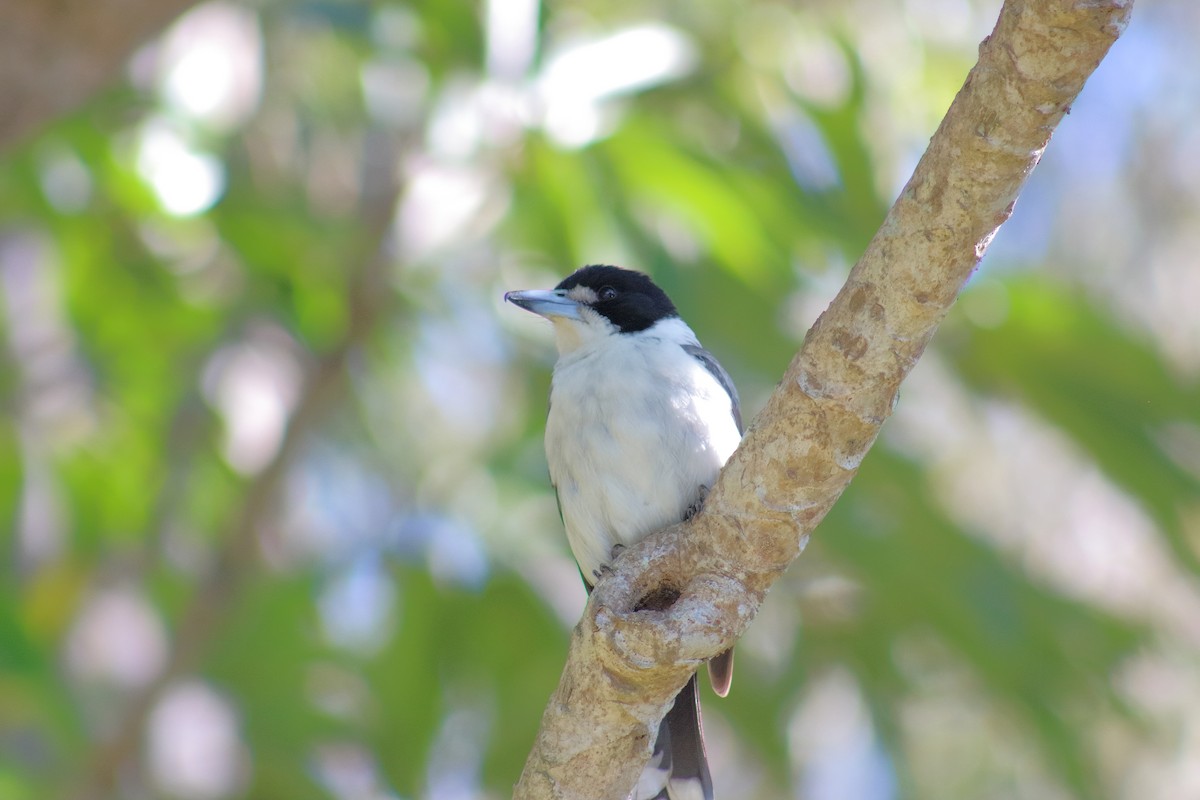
(628, 299)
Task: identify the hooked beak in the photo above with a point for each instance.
(549, 304)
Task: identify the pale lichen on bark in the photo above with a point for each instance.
(624, 665)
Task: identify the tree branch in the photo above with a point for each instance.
(625, 665)
(53, 56)
(216, 593)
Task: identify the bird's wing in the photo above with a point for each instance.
(710, 363)
(720, 669)
(558, 500)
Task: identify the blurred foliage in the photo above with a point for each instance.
(272, 497)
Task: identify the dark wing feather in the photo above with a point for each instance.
(710, 363)
(689, 761)
(720, 669)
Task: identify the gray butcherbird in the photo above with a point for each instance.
(642, 418)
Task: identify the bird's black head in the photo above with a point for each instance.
(627, 299)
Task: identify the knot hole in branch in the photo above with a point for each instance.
(658, 599)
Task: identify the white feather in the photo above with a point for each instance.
(637, 425)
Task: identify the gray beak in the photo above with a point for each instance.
(552, 303)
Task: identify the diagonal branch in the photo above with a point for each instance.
(625, 666)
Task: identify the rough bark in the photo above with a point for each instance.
(54, 55)
(625, 665)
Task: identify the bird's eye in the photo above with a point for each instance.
(607, 293)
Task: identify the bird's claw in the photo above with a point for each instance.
(606, 569)
(696, 507)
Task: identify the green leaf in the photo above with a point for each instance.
(263, 658)
(1108, 390)
(1033, 649)
(499, 642)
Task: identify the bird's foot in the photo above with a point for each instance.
(696, 507)
(606, 569)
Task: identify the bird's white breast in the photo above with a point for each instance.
(636, 427)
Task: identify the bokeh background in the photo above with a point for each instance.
(274, 514)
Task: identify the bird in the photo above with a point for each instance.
(641, 420)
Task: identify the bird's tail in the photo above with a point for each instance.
(678, 770)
